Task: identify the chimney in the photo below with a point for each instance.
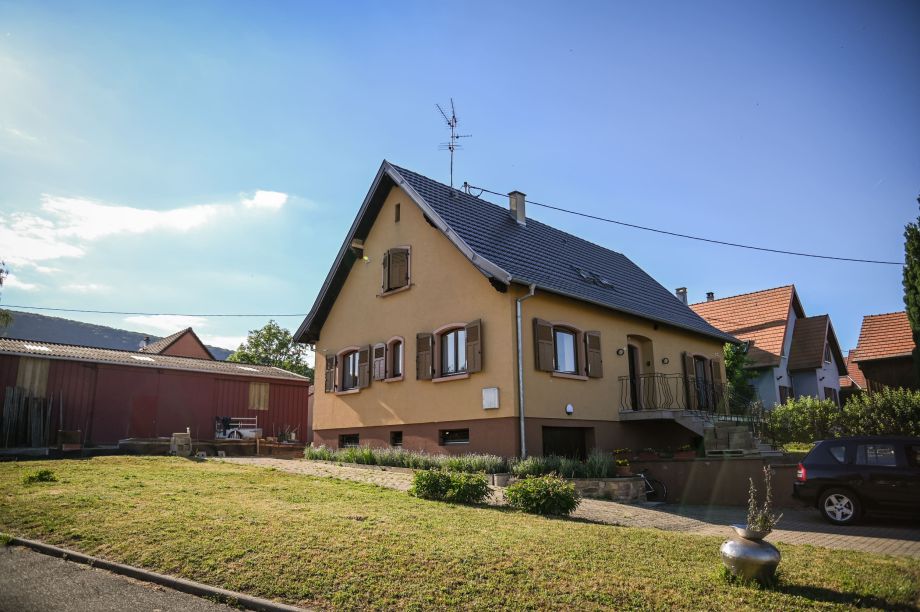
(145, 341)
(710, 296)
(516, 203)
(681, 293)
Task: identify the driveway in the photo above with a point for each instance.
(33, 582)
(798, 526)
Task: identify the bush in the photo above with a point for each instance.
(397, 457)
(805, 419)
(543, 495)
(39, 476)
(599, 465)
(536, 466)
(318, 453)
(457, 487)
(890, 412)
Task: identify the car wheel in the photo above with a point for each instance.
(840, 506)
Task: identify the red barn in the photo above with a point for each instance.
(166, 387)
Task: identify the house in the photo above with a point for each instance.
(452, 325)
(792, 355)
(854, 381)
(109, 394)
(884, 351)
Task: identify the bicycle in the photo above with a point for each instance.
(655, 490)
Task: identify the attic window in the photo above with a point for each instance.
(141, 358)
(37, 347)
(594, 278)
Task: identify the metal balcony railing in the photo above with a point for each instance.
(678, 392)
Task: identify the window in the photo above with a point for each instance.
(348, 440)
(913, 455)
(350, 371)
(395, 269)
(827, 353)
(397, 212)
(876, 454)
(395, 358)
(838, 452)
(785, 393)
(453, 352)
(454, 436)
(564, 351)
(258, 396)
(831, 394)
(396, 439)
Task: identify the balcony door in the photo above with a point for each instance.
(634, 370)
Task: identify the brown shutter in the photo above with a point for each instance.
(385, 285)
(593, 350)
(716, 389)
(364, 367)
(474, 346)
(330, 373)
(380, 362)
(543, 345)
(690, 381)
(424, 352)
(398, 273)
(716, 366)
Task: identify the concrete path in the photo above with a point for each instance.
(804, 526)
(33, 582)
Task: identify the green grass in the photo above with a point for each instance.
(333, 544)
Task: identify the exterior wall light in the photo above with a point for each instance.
(569, 409)
(621, 352)
(665, 361)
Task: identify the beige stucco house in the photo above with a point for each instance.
(450, 324)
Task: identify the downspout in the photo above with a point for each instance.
(520, 367)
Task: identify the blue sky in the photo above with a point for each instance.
(208, 157)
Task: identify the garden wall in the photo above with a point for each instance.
(720, 482)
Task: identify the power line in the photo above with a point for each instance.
(689, 237)
(147, 314)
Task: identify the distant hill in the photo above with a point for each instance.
(31, 326)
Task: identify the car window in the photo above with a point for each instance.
(876, 454)
(838, 452)
(913, 455)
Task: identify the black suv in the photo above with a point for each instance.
(845, 477)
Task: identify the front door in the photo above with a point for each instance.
(565, 442)
(633, 360)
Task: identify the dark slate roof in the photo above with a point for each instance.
(535, 253)
(554, 260)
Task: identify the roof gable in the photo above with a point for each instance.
(177, 344)
(884, 336)
(508, 252)
(809, 338)
(854, 375)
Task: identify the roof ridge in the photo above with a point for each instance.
(729, 297)
(885, 314)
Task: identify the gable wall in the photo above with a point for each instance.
(187, 346)
(446, 288)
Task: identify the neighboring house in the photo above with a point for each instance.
(31, 326)
(109, 395)
(884, 351)
(854, 381)
(792, 355)
(185, 343)
(429, 337)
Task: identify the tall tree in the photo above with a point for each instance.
(273, 345)
(911, 284)
(738, 375)
(6, 317)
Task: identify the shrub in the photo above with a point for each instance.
(805, 419)
(457, 487)
(318, 453)
(536, 466)
(571, 468)
(490, 464)
(599, 465)
(39, 476)
(889, 412)
(543, 495)
(397, 457)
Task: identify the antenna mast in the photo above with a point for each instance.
(452, 145)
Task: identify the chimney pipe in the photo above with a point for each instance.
(681, 293)
(516, 203)
(145, 341)
(710, 296)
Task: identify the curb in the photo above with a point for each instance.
(177, 584)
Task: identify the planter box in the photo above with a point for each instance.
(624, 490)
(624, 471)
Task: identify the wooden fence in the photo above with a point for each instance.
(26, 419)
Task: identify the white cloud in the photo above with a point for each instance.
(168, 324)
(228, 342)
(13, 282)
(19, 134)
(85, 287)
(271, 200)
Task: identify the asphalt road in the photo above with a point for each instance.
(33, 582)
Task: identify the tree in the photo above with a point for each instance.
(273, 346)
(6, 317)
(738, 375)
(911, 284)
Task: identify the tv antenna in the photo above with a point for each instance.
(452, 145)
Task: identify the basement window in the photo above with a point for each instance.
(349, 440)
(454, 436)
(396, 439)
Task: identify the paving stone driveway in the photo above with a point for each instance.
(798, 526)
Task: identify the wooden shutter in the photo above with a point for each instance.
(716, 389)
(716, 367)
(364, 367)
(690, 381)
(474, 346)
(595, 367)
(380, 362)
(543, 345)
(398, 269)
(424, 353)
(385, 284)
(330, 373)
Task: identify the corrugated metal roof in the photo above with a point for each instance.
(74, 352)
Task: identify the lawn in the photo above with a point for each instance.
(333, 544)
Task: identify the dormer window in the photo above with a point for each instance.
(396, 270)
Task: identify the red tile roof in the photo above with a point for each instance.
(760, 318)
(884, 336)
(855, 376)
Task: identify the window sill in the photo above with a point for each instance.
(569, 376)
(453, 443)
(392, 291)
(441, 379)
(394, 379)
(349, 392)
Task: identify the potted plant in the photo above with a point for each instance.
(685, 452)
(622, 468)
(748, 556)
(647, 454)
